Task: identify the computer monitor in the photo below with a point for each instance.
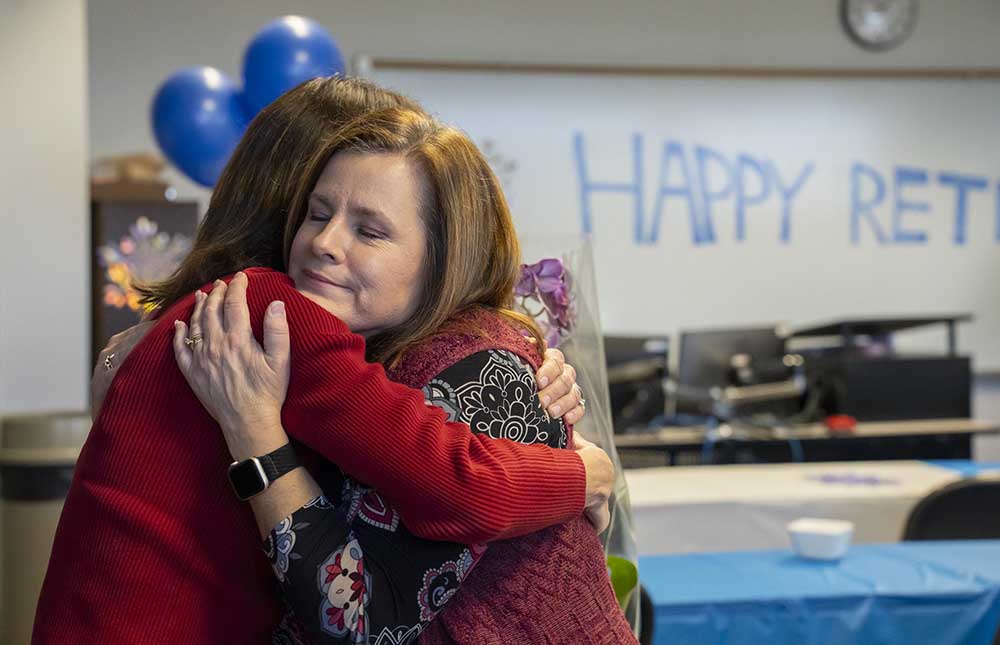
(706, 356)
(637, 368)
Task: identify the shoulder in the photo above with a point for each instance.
(494, 392)
(467, 334)
(264, 286)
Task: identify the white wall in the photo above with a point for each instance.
(132, 50)
(44, 315)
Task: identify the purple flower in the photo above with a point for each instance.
(545, 276)
(547, 283)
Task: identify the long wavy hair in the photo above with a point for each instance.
(472, 258)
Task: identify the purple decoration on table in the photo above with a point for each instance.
(854, 479)
(547, 283)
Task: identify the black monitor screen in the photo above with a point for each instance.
(705, 355)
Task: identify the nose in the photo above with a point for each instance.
(332, 241)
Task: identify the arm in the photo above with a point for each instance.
(371, 566)
(446, 483)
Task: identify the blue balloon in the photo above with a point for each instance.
(286, 52)
(198, 118)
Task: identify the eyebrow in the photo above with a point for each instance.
(363, 211)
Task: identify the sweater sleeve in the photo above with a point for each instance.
(446, 482)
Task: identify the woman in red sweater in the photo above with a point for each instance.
(401, 230)
(154, 548)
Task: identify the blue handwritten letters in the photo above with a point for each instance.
(697, 186)
(698, 179)
(869, 192)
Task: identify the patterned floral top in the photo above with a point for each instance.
(349, 571)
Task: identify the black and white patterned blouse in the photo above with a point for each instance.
(349, 570)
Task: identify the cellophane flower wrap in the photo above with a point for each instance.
(558, 289)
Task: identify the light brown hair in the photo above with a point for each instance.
(473, 257)
(247, 215)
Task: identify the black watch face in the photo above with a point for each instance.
(247, 478)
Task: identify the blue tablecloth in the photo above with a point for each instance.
(967, 468)
(934, 593)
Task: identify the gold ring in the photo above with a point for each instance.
(108, 361)
(191, 341)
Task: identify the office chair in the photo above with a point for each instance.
(963, 510)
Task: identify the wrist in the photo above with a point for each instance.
(253, 438)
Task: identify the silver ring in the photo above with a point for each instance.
(108, 364)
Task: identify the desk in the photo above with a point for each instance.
(692, 509)
(917, 593)
(921, 439)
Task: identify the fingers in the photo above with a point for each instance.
(551, 367)
(565, 404)
(212, 325)
(236, 312)
(276, 341)
(561, 387)
(199, 306)
(575, 415)
(182, 354)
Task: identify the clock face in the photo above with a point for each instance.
(878, 24)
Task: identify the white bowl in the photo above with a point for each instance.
(819, 539)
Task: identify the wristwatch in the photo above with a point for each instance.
(252, 476)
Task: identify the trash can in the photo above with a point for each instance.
(37, 456)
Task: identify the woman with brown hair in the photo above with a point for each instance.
(153, 548)
(401, 230)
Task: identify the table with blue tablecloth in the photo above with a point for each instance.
(704, 509)
(913, 593)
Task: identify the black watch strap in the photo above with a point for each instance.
(280, 462)
(252, 476)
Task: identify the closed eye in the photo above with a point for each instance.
(370, 233)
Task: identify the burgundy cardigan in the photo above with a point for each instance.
(551, 587)
(153, 547)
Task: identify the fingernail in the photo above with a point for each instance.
(220, 283)
(199, 295)
(544, 381)
(240, 274)
(177, 324)
(545, 400)
(277, 308)
(556, 410)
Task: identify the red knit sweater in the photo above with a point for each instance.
(153, 547)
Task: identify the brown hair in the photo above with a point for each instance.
(247, 215)
(473, 256)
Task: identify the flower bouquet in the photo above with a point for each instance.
(560, 292)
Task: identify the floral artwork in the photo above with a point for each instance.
(544, 292)
(144, 255)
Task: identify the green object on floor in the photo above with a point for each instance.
(624, 578)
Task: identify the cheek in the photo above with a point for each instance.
(402, 283)
(297, 251)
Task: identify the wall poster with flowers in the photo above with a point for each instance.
(132, 242)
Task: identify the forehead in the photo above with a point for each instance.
(383, 178)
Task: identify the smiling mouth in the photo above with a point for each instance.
(315, 277)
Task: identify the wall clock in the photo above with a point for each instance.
(878, 25)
